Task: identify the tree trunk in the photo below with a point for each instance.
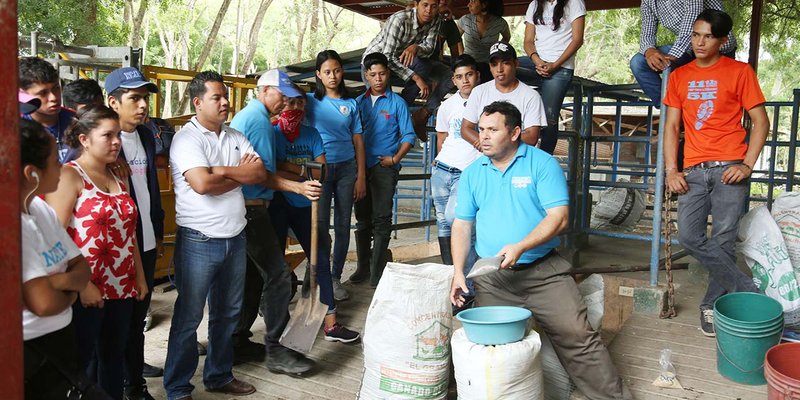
(314, 15)
(212, 38)
(136, 31)
(301, 22)
(237, 38)
(252, 42)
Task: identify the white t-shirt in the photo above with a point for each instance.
(137, 160)
(456, 152)
(551, 44)
(524, 97)
(216, 216)
(46, 250)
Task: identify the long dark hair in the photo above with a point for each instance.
(319, 91)
(88, 118)
(493, 7)
(558, 13)
(34, 144)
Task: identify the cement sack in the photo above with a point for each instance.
(766, 254)
(618, 208)
(510, 372)
(557, 383)
(786, 212)
(407, 334)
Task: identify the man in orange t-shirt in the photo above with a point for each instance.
(709, 94)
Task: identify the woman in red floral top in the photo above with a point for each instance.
(100, 216)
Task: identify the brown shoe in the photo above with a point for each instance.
(235, 387)
(419, 119)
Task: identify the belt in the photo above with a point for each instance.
(712, 164)
(257, 203)
(535, 262)
(444, 167)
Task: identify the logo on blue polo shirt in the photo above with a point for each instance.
(521, 182)
(344, 110)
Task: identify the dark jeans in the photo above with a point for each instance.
(43, 380)
(550, 292)
(374, 214)
(707, 195)
(285, 216)
(102, 336)
(206, 269)
(553, 90)
(649, 80)
(338, 188)
(134, 351)
(434, 73)
(268, 284)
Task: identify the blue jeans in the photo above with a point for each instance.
(444, 190)
(553, 90)
(102, 337)
(649, 80)
(338, 187)
(725, 203)
(213, 269)
(285, 216)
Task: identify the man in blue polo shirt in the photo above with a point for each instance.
(388, 136)
(267, 283)
(517, 196)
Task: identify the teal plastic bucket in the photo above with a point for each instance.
(747, 325)
(495, 325)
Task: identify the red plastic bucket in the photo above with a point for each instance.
(782, 371)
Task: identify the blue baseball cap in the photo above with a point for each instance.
(280, 80)
(128, 78)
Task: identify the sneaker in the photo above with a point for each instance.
(339, 293)
(338, 333)
(283, 360)
(707, 322)
(248, 352)
(137, 393)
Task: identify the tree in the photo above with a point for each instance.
(253, 38)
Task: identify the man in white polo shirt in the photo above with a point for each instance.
(210, 161)
(503, 63)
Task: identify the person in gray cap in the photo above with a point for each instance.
(129, 95)
(503, 63)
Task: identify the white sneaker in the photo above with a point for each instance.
(339, 293)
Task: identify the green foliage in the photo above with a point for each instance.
(76, 22)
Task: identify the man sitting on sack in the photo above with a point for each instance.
(517, 197)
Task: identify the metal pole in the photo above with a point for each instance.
(34, 43)
(658, 204)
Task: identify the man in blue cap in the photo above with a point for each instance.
(129, 95)
(267, 283)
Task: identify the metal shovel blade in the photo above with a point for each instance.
(486, 266)
(303, 326)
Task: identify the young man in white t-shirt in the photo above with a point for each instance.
(209, 161)
(503, 63)
(128, 95)
(454, 154)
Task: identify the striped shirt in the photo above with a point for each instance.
(678, 16)
(401, 30)
(476, 45)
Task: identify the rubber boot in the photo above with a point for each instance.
(381, 246)
(444, 248)
(364, 255)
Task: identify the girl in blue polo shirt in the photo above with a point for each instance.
(296, 144)
(334, 113)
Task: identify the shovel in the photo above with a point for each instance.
(309, 312)
(486, 266)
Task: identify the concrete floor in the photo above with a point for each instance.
(635, 347)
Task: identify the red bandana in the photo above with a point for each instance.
(289, 122)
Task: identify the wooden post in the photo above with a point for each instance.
(755, 33)
(11, 367)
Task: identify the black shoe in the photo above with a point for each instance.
(201, 349)
(149, 371)
(248, 352)
(338, 333)
(283, 360)
(137, 393)
(707, 322)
